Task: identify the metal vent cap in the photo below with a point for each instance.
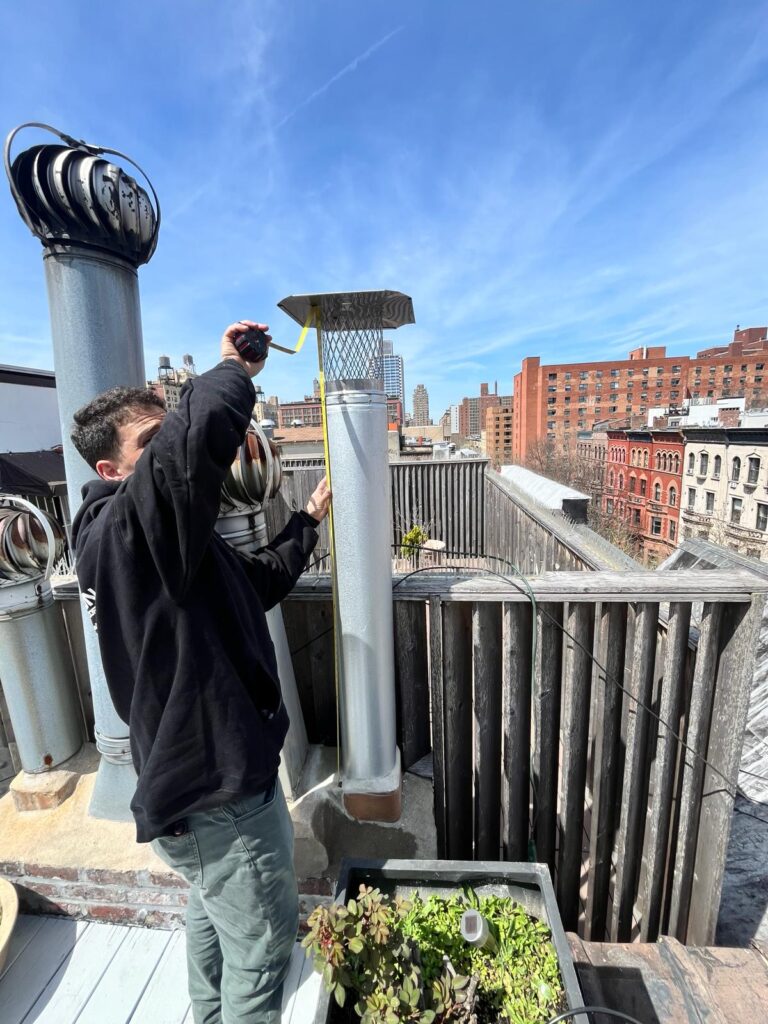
(73, 195)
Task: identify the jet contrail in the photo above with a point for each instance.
(352, 66)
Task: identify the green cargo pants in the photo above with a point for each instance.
(242, 914)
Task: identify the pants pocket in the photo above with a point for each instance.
(182, 854)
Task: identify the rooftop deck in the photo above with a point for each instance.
(61, 971)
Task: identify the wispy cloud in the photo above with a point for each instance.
(346, 70)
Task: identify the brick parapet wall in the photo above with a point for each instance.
(155, 899)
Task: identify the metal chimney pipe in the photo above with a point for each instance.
(254, 478)
(351, 327)
(97, 225)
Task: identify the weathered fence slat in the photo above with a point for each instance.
(629, 841)
(411, 681)
(457, 725)
(516, 718)
(486, 664)
(438, 714)
(699, 715)
(613, 628)
(739, 634)
(663, 776)
(575, 739)
(547, 730)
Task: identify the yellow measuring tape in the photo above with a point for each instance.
(302, 336)
(314, 314)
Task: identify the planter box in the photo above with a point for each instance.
(9, 909)
(528, 884)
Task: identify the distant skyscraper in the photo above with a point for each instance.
(421, 406)
(389, 368)
(455, 419)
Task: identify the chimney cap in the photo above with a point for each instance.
(366, 309)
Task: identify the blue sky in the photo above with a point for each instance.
(567, 178)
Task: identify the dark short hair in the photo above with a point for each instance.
(94, 433)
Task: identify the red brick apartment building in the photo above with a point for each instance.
(553, 403)
(643, 481)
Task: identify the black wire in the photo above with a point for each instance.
(594, 1009)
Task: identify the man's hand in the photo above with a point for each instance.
(228, 350)
(319, 504)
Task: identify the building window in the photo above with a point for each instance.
(703, 464)
(672, 496)
(657, 492)
(609, 505)
(659, 370)
(691, 463)
(658, 460)
(636, 516)
(718, 465)
(552, 376)
(676, 369)
(675, 382)
(583, 375)
(736, 506)
(736, 470)
(551, 401)
(632, 483)
(598, 373)
(657, 396)
(643, 486)
(614, 385)
(676, 461)
(744, 367)
(754, 469)
(759, 366)
(691, 497)
(762, 517)
(645, 458)
(610, 479)
(758, 380)
(567, 374)
(656, 526)
(621, 481)
(672, 527)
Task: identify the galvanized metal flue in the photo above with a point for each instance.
(350, 329)
(254, 478)
(37, 675)
(96, 225)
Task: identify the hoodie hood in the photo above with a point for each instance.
(96, 494)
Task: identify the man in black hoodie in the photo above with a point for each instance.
(190, 666)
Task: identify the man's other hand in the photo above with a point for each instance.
(228, 350)
(319, 504)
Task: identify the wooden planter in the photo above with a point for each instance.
(528, 884)
(9, 911)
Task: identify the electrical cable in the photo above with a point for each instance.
(607, 1011)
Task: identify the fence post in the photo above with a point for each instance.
(739, 633)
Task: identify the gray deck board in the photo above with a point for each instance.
(66, 972)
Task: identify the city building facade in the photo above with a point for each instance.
(395, 411)
(389, 368)
(555, 402)
(642, 486)
(421, 407)
(30, 410)
(307, 413)
(472, 411)
(498, 435)
(725, 488)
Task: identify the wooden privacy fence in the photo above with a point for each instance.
(544, 737)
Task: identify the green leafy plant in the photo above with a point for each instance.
(413, 540)
(405, 962)
(360, 948)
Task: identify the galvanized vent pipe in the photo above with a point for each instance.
(254, 478)
(38, 683)
(351, 329)
(96, 225)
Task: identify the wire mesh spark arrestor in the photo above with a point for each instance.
(350, 327)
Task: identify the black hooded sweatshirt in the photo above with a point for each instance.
(180, 614)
